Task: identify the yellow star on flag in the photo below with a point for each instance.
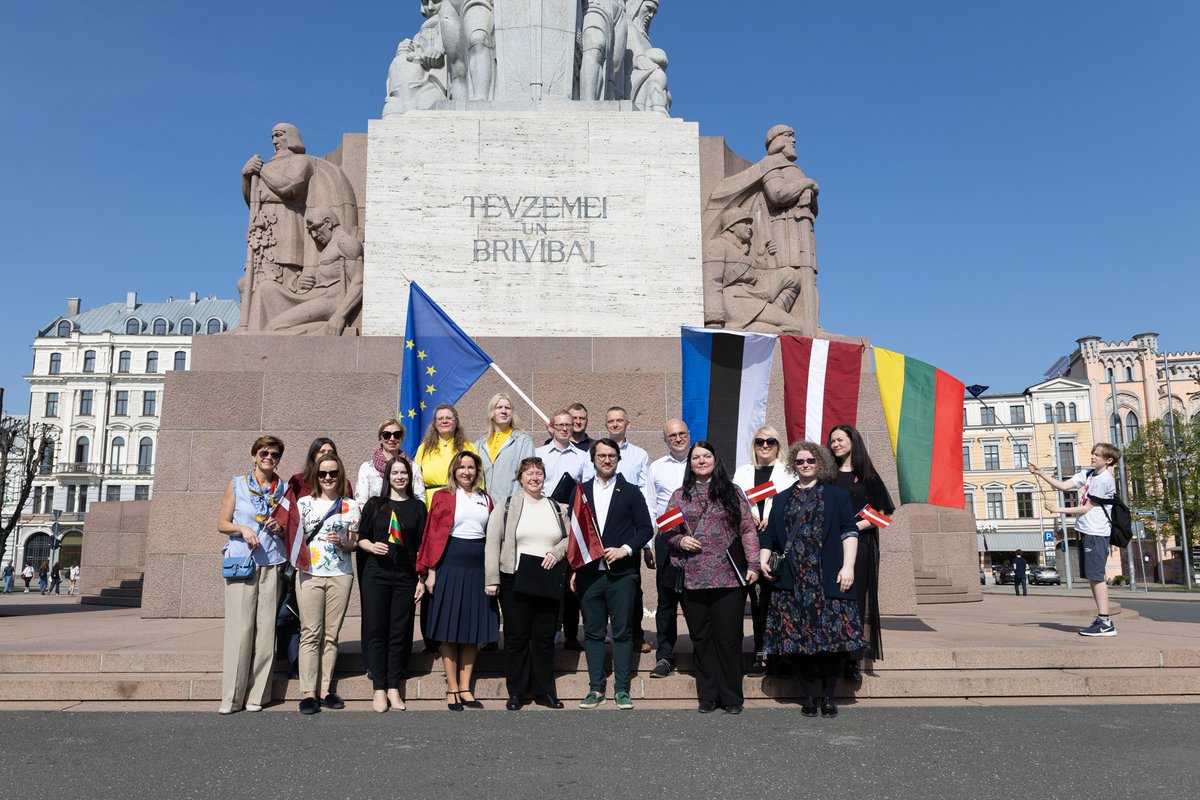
(412, 412)
(410, 344)
(430, 389)
(423, 406)
(421, 354)
(430, 371)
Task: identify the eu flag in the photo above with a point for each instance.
(440, 364)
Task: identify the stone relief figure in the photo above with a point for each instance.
(783, 203)
(743, 284)
(417, 76)
(648, 87)
(603, 45)
(283, 260)
(468, 29)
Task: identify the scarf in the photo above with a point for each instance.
(264, 499)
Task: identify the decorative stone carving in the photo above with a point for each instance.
(744, 287)
(300, 266)
(648, 85)
(417, 76)
(603, 38)
(781, 201)
(468, 29)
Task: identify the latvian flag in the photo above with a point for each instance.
(584, 546)
(876, 518)
(762, 492)
(671, 519)
(820, 386)
(726, 375)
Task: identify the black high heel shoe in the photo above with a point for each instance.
(456, 705)
(472, 703)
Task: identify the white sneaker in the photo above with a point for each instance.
(253, 707)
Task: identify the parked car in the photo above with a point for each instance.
(1044, 576)
(1006, 575)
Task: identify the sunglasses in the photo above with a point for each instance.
(800, 462)
(397, 435)
(271, 454)
(327, 473)
(766, 443)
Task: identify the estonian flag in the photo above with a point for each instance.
(726, 375)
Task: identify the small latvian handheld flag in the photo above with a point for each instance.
(584, 546)
(923, 408)
(876, 518)
(673, 518)
(820, 386)
(726, 375)
(394, 534)
(762, 492)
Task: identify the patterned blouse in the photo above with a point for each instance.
(707, 521)
(326, 559)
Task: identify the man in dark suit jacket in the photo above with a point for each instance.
(608, 586)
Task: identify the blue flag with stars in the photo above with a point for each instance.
(440, 364)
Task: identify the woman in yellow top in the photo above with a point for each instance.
(444, 439)
(503, 449)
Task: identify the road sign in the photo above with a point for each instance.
(1048, 537)
(1144, 512)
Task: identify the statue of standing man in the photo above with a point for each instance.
(468, 30)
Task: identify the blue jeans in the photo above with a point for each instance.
(8, 584)
(1019, 585)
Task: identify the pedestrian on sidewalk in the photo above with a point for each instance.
(1093, 526)
(55, 578)
(1020, 572)
(9, 574)
(44, 577)
(27, 575)
(74, 578)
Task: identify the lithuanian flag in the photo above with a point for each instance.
(924, 408)
(394, 534)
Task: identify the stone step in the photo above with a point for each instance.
(105, 600)
(946, 597)
(130, 584)
(123, 591)
(941, 588)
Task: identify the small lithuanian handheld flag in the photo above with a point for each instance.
(924, 408)
(394, 534)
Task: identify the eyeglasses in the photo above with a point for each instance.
(766, 443)
(681, 435)
(562, 426)
(606, 456)
(800, 462)
(397, 435)
(271, 454)
(327, 473)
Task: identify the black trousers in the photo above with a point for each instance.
(760, 599)
(714, 618)
(529, 626)
(666, 622)
(387, 609)
(570, 610)
(819, 673)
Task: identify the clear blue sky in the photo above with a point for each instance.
(997, 179)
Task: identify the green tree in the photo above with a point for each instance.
(1151, 463)
(22, 446)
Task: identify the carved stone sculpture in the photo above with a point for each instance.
(743, 283)
(782, 202)
(468, 29)
(417, 76)
(288, 283)
(603, 42)
(648, 84)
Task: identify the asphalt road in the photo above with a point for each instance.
(1162, 610)
(1071, 751)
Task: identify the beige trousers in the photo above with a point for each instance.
(322, 604)
(250, 610)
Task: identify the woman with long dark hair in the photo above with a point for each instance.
(716, 515)
(857, 477)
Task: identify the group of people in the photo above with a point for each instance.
(468, 533)
(50, 577)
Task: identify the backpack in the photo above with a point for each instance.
(1120, 521)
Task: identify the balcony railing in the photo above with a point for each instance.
(80, 468)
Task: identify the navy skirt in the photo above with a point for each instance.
(460, 613)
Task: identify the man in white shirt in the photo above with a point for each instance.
(666, 475)
(562, 457)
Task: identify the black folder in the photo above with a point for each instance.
(565, 490)
(532, 579)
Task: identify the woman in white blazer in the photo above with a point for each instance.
(764, 466)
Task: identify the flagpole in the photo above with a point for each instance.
(521, 394)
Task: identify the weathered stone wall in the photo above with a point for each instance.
(114, 543)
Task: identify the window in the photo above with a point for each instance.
(965, 423)
(116, 456)
(1128, 374)
(1070, 499)
(991, 456)
(160, 327)
(151, 362)
(83, 498)
(180, 360)
(121, 404)
(70, 500)
(1016, 414)
(149, 404)
(1108, 374)
(1060, 411)
(1072, 414)
(1020, 455)
(55, 363)
(215, 326)
(966, 458)
(1049, 412)
(89, 361)
(48, 504)
(1131, 427)
(123, 360)
(37, 500)
(112, 494)
(83, 449)
(1024, 504)
(37, 548)
(1114, 428)
(51, 404)
(141, 492)
(187, 327)
(969, 505)
(987, 415)
(133, 327)
(64, 329)
(145, 456)
(85, 402)
(995, 505)
(1066, 458)
(47, 460)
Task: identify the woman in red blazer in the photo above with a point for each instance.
(450, 562)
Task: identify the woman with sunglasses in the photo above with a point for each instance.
(247, 517)
(503, 449)
(443, 441)
(324, 576)
(389, 539)
(813, 613)
(303, 481)
(856, 476)
(765, 465)
(371, 472)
